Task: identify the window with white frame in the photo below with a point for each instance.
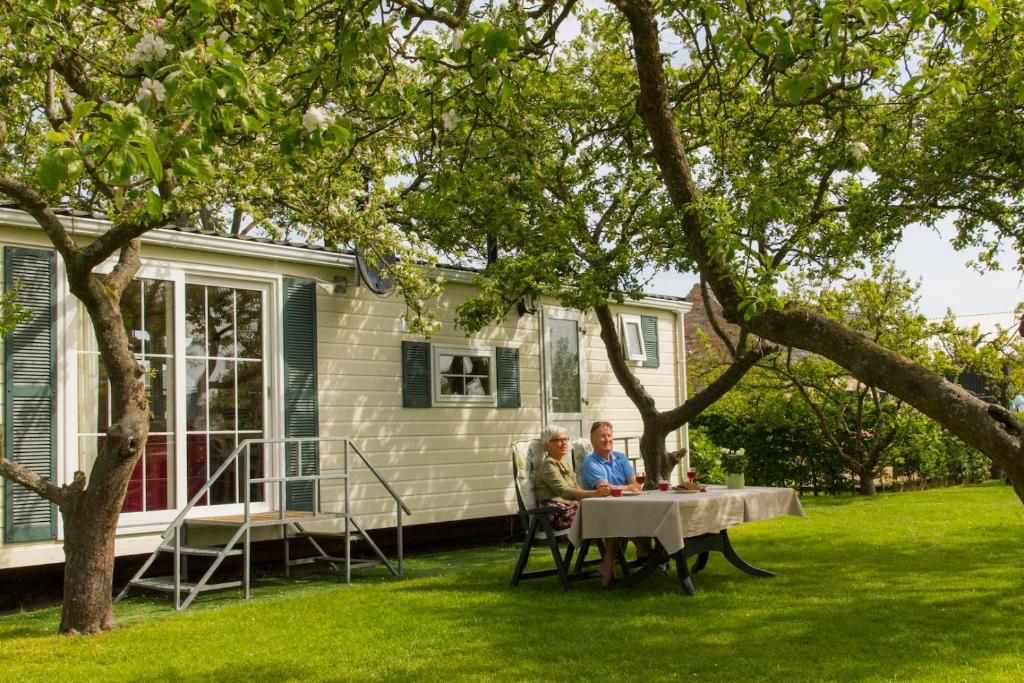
(223, 387)
(463, 375)
(219, 367)
(632, 338)
(147, 307)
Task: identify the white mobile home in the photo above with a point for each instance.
(247, 338)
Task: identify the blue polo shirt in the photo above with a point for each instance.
(595, 469)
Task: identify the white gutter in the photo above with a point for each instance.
(93, 227)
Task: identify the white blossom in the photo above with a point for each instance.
(145, 4)
(450, 119)
(151, 47)
(317, 118)
(337, 211)
(150, 90)
(457, 40)
(512, 179)
(858, 150)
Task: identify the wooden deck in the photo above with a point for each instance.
(271, 518)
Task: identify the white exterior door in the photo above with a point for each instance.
(564, 369)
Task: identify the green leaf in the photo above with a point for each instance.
(51, 171)
(764, 41)
(475, 33)
(154, 204)
(156, 169)
(275, 8)
(796, 88)
(202, 8)
(56, 137)
(498, 41)
(82, 109)
(199, 168)
(204, 94)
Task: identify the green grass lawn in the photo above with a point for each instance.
(914, 586)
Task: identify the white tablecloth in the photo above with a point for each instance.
(672, 516)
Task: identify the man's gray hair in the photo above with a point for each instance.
(552, 432)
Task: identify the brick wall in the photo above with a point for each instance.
(704, 348)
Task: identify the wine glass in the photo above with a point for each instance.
(691, 474)
(641, 479)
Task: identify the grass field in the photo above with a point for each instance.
(913, 586)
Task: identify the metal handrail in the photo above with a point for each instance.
(381, 479)
(175, 529)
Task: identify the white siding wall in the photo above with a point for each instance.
(447, 463)
(608, 401)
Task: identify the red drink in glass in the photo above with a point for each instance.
(640, 479)
(691, 474)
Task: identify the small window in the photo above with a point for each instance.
(632, 338)
(463, 375)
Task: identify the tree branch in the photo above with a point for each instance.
(713, 319)
(19, 474)
(630, 384)
(113, 239)
(128, 264)
(36, 206)
(695, 405)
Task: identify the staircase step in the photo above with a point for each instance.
(328, 535)
(166, 583)
(355, 564)
(202, 552)
(265, 519)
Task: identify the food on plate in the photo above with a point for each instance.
(690, 486)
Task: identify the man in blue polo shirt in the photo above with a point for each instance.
(604, 464)
(605, 467)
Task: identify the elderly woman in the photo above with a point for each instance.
(555, 481)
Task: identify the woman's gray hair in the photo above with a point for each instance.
(551, 432)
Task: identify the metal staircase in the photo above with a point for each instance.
(299, 489)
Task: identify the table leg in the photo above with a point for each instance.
(702, 561)
(656, 558)
(683, 572)
(700, 547)
(738, 562)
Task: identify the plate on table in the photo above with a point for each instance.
(630, 493)
(679, 489)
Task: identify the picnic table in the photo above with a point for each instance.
(683, 524)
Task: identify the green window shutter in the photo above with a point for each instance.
(301, 412)
(29, 393)
(415, 374)
(649, 327)
(507, 362)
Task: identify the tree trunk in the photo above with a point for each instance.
(90, 511)
(867, 481)
(656, 457)
(990, 429)
(658, 425)
(90, 515)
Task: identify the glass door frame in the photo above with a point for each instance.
(567, 420)
(270, 373)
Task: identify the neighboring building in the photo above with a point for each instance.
(228, 326)
(705, 350)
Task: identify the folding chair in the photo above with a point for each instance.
(526, 459)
